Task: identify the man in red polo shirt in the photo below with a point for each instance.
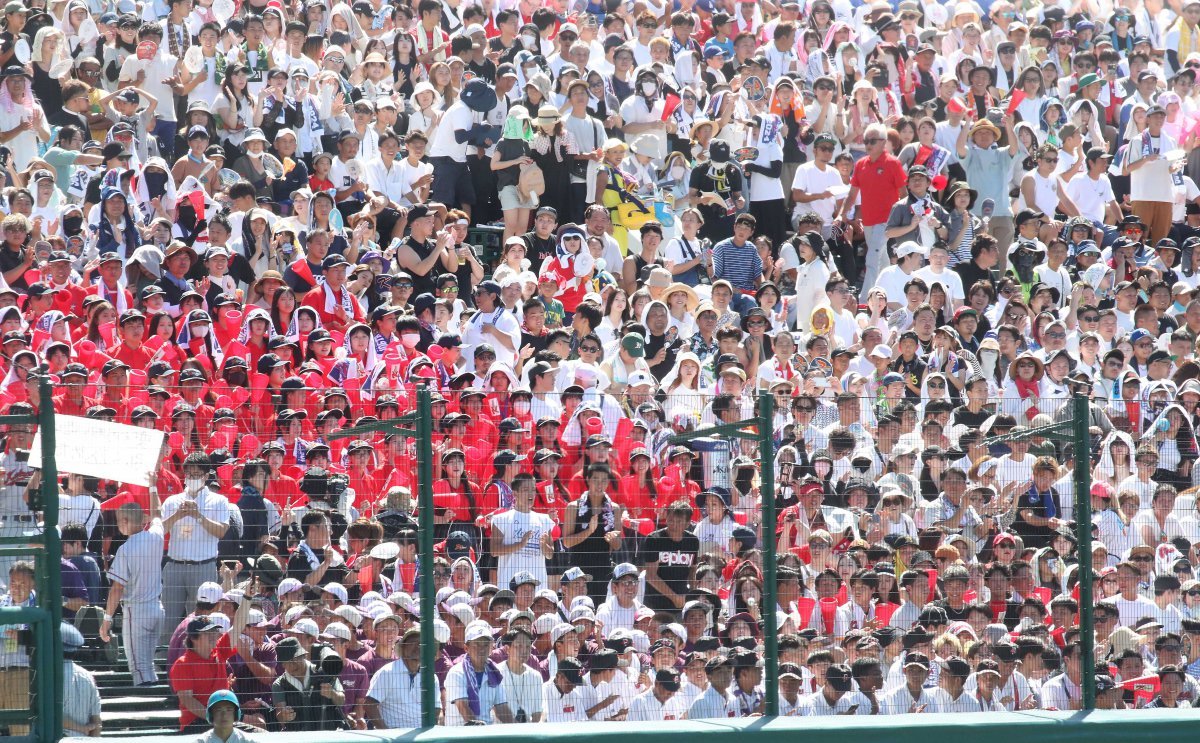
(202, 669)
(879, 178)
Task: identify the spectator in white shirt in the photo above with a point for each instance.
(561, 697)
(837, 696)
(714, 703)
(659, 702)
(473, 686)
(394, 697)
(951, 695)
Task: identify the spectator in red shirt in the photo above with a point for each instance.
(202, 669)
(879, 178)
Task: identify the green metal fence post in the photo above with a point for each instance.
(424, 426)
(766, 454)
(51, 688)
(1081, 442)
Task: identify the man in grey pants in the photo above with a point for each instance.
(136, 575)
(196, 519)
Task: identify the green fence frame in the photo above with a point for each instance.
(1161, 726)
(47, 703)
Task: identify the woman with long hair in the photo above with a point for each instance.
(454, 496)
(616, 314)
(283, 308)
(593, 530)
(553, 149)
(236, 110)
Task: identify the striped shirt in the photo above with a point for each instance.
(80, 696)
(740, 265)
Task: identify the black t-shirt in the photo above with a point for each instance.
(964, 416)
(954, 615)
(725, 186)
(675, 561)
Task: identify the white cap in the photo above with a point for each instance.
(544, 623)
(462, 613)
(295, 613)
(560, 629)
(623, 570)
(641, 641)
(881, 351)
(639, 378)
(582, 613)
(287, 585)
(908, 248)
(308, 627)
(338, 630)
(350, 614)
(441, 631)
(478, 630)
(676, 629)
(221, 620)
(385, 551)
(255, 618)
(209, 593)
(338, 591)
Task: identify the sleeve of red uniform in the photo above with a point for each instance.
(224, 650)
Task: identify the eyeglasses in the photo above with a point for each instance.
(757, 323)
(589, 349)
(1150, 462)
(805, 410)
(1056, 335)
(936, 385)
(872, 140)
(1050, 160)
(1143, 558)
(403, 285)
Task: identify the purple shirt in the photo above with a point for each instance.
(246, 685)
(73, 586)
(355, 683)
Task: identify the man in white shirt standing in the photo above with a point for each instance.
(448, 155)
(811, 188)
(492, 326)
(1150, 183)
(1063, 692)
(194, 521)
(951, 696)
(521, 539)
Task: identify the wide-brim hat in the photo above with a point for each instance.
(693, 299)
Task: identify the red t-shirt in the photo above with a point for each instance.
(201, 676)
(879, 182)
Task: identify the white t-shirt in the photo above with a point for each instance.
(456, 689)
(811, 179)
(647, 708)
(474, 335)
(1151, 182)
(947, 278)
(1184, 192)
(1131, 611)
(523, 691)
(563, 707)
(892, 281)
(515, 525)
(1090, 196)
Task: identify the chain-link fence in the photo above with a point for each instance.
(624, 547)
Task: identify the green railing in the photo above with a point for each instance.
(45, 620)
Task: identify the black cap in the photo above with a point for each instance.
(838, 676)
(333, 260)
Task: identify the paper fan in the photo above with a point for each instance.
(354, 169)
(754, 88)
(21, 51)
(272, 166)
(745, 154)
(223, 10)
(61, 68)
(228, 177)
(193, 60)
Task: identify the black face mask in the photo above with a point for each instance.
(72, 225)
(156, 183)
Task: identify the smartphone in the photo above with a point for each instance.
(229, 564)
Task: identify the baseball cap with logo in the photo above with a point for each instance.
(209, 593)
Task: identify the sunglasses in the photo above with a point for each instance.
(1194, 594)
(1090, 318)
(1143, 558)
(589, 349)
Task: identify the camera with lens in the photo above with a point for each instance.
(327, 664)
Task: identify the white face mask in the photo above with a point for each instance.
(677, 173)
(521, 406)
(410, 340)
(988, 358)
(822, 469)
(528, 40)
(199, 331)
(193, 484)
(649, 88)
